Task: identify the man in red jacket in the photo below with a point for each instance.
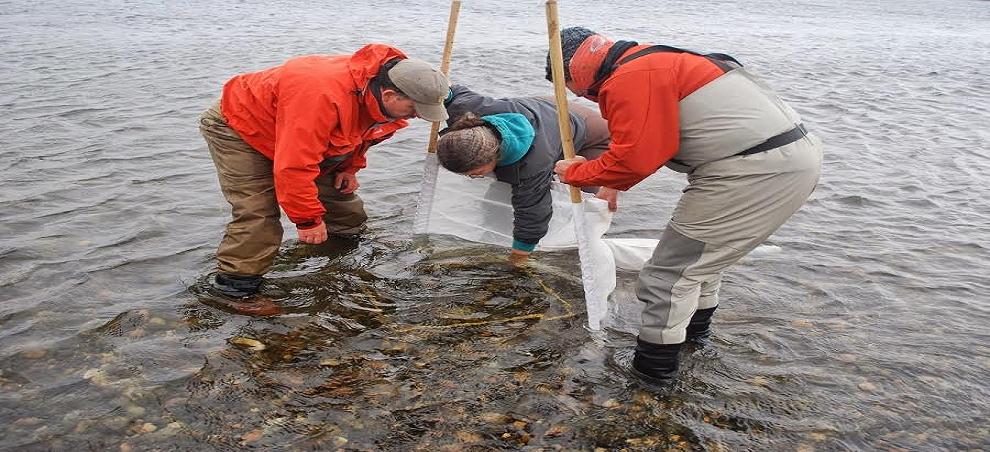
(750, 165)
(295, 136)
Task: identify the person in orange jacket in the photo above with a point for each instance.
(294, 136)
(750, 164)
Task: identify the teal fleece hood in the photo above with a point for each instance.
(517, 136)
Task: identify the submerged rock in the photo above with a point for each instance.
(27, 422)
(35, 353)
(868, 387)
(252, 436)
(247, 342)
(468, 437)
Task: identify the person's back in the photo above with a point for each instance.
(720, 110)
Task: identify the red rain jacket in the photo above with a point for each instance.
(306, 110)
(640, 101)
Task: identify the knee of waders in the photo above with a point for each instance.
(346, 224)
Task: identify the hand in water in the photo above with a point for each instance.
(518, 258)
(314, 235)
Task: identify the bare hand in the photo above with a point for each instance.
(518, 258)
(562, 165)
(611, 195)
(346, 183)
(314, 235)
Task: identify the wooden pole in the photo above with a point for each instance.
(427, 189)
(448, 47)
(559, 90)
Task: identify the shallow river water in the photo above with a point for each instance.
(862, 327)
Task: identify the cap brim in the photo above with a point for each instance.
(431, 112)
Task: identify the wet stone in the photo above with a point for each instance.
(25, 422)
(35, 353)
(868, 387)
(817, 437)
(468, 437)
(247, 342)
(759, 381)
(116, 423)
(175, 401)
(134, 410)
(136, 333)
(847, 357)
(252, 436)
(96, 376)
(525, 438)
(172, 428)
(645, 442)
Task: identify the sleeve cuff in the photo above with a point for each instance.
(523, 246)
(309, 224)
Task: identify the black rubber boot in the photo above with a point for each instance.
(656, 363)
(700, 326)
(236, 286)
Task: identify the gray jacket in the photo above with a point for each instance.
(530, 177)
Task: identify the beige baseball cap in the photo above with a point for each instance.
(425, 85)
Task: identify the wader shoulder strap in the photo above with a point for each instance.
(723, 61)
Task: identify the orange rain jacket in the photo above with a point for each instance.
(309, 109)
(640, 101)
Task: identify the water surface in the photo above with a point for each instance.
(863, 326)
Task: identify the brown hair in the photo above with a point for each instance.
(467, 144)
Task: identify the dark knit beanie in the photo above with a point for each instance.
(570, 39)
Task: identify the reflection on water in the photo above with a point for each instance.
(861, 326)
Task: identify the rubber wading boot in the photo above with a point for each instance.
(239, 294)
(656, 363)
(236, 286)
(700, 326)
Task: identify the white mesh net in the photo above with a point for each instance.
(481, 211)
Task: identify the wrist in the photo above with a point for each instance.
(309, 224)
(521, 247)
